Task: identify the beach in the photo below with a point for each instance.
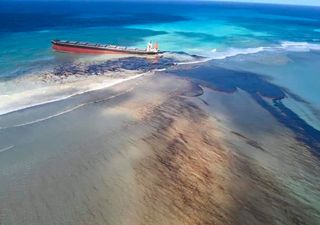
(157, 149)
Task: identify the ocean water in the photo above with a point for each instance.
(279, 42)
(210, 29)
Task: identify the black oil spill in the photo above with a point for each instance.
(225, 80)
(303, 131)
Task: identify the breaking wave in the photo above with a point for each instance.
(299, 46)
(232, 52)
(45, 95)
(59, 114)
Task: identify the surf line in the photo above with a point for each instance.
(72, 95)
(6, 148)
(67, 111)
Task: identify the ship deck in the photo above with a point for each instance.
(98, 46)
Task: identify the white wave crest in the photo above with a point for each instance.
(299, 46)
(215, 54)
(232, 52)
(62, 113)
(6, 148)
(44, 95)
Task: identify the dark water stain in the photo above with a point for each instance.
(297, 97)
(136, 63)
(257, 86)
(130, 63)
(251, 142)
(194, 91)
(226, 80)
(303, 131)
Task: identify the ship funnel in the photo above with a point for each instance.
(156, 46)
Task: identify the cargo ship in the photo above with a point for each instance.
(91, 48)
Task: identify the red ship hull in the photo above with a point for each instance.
(82, 50)
(86, 48)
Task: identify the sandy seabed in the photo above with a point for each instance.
(158, 149)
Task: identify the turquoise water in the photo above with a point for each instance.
(209, 29)
(35, 52)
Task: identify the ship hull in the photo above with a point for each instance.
(95, 49)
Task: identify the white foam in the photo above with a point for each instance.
(159, 70)
(194, 62)
(232, 52)
(235, 51)
(44, 95)
(6, 148)
(299, 46)
(61, 113)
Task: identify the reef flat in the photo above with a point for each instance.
(158, 149)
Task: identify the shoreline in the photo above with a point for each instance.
(97, 82)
